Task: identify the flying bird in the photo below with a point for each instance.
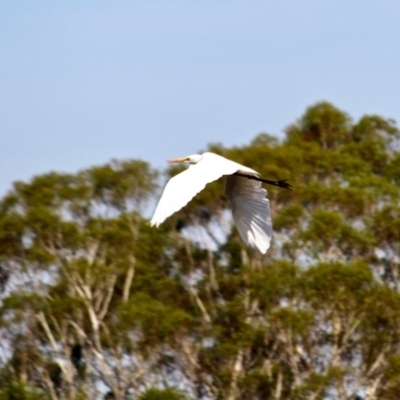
(250, 207)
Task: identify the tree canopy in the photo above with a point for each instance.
(96, 304)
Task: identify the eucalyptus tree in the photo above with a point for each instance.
(71, 245)
(318, 316)
(95, 303)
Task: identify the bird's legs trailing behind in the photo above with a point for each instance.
(284, 184)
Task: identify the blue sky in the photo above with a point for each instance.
(82, 82)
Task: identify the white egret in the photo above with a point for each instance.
(250, 207)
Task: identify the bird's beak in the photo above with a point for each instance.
(177, 160)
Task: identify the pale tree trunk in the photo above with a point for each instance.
(60, 357)
(236, 371)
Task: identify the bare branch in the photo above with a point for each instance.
(108, 297)
(200, 304)
(129, 278)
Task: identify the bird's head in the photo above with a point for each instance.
(193, 159)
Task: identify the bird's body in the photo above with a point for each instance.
(250, 207)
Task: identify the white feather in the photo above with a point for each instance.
(251, 211)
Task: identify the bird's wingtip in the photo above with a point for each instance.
(262, 249)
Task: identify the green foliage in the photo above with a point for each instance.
(95, 301)
(322, 124)
(21, 392)
(11, 389)
(157, 321)
(159, 394)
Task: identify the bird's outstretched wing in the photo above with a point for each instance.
(251, 212)
(183, 187)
